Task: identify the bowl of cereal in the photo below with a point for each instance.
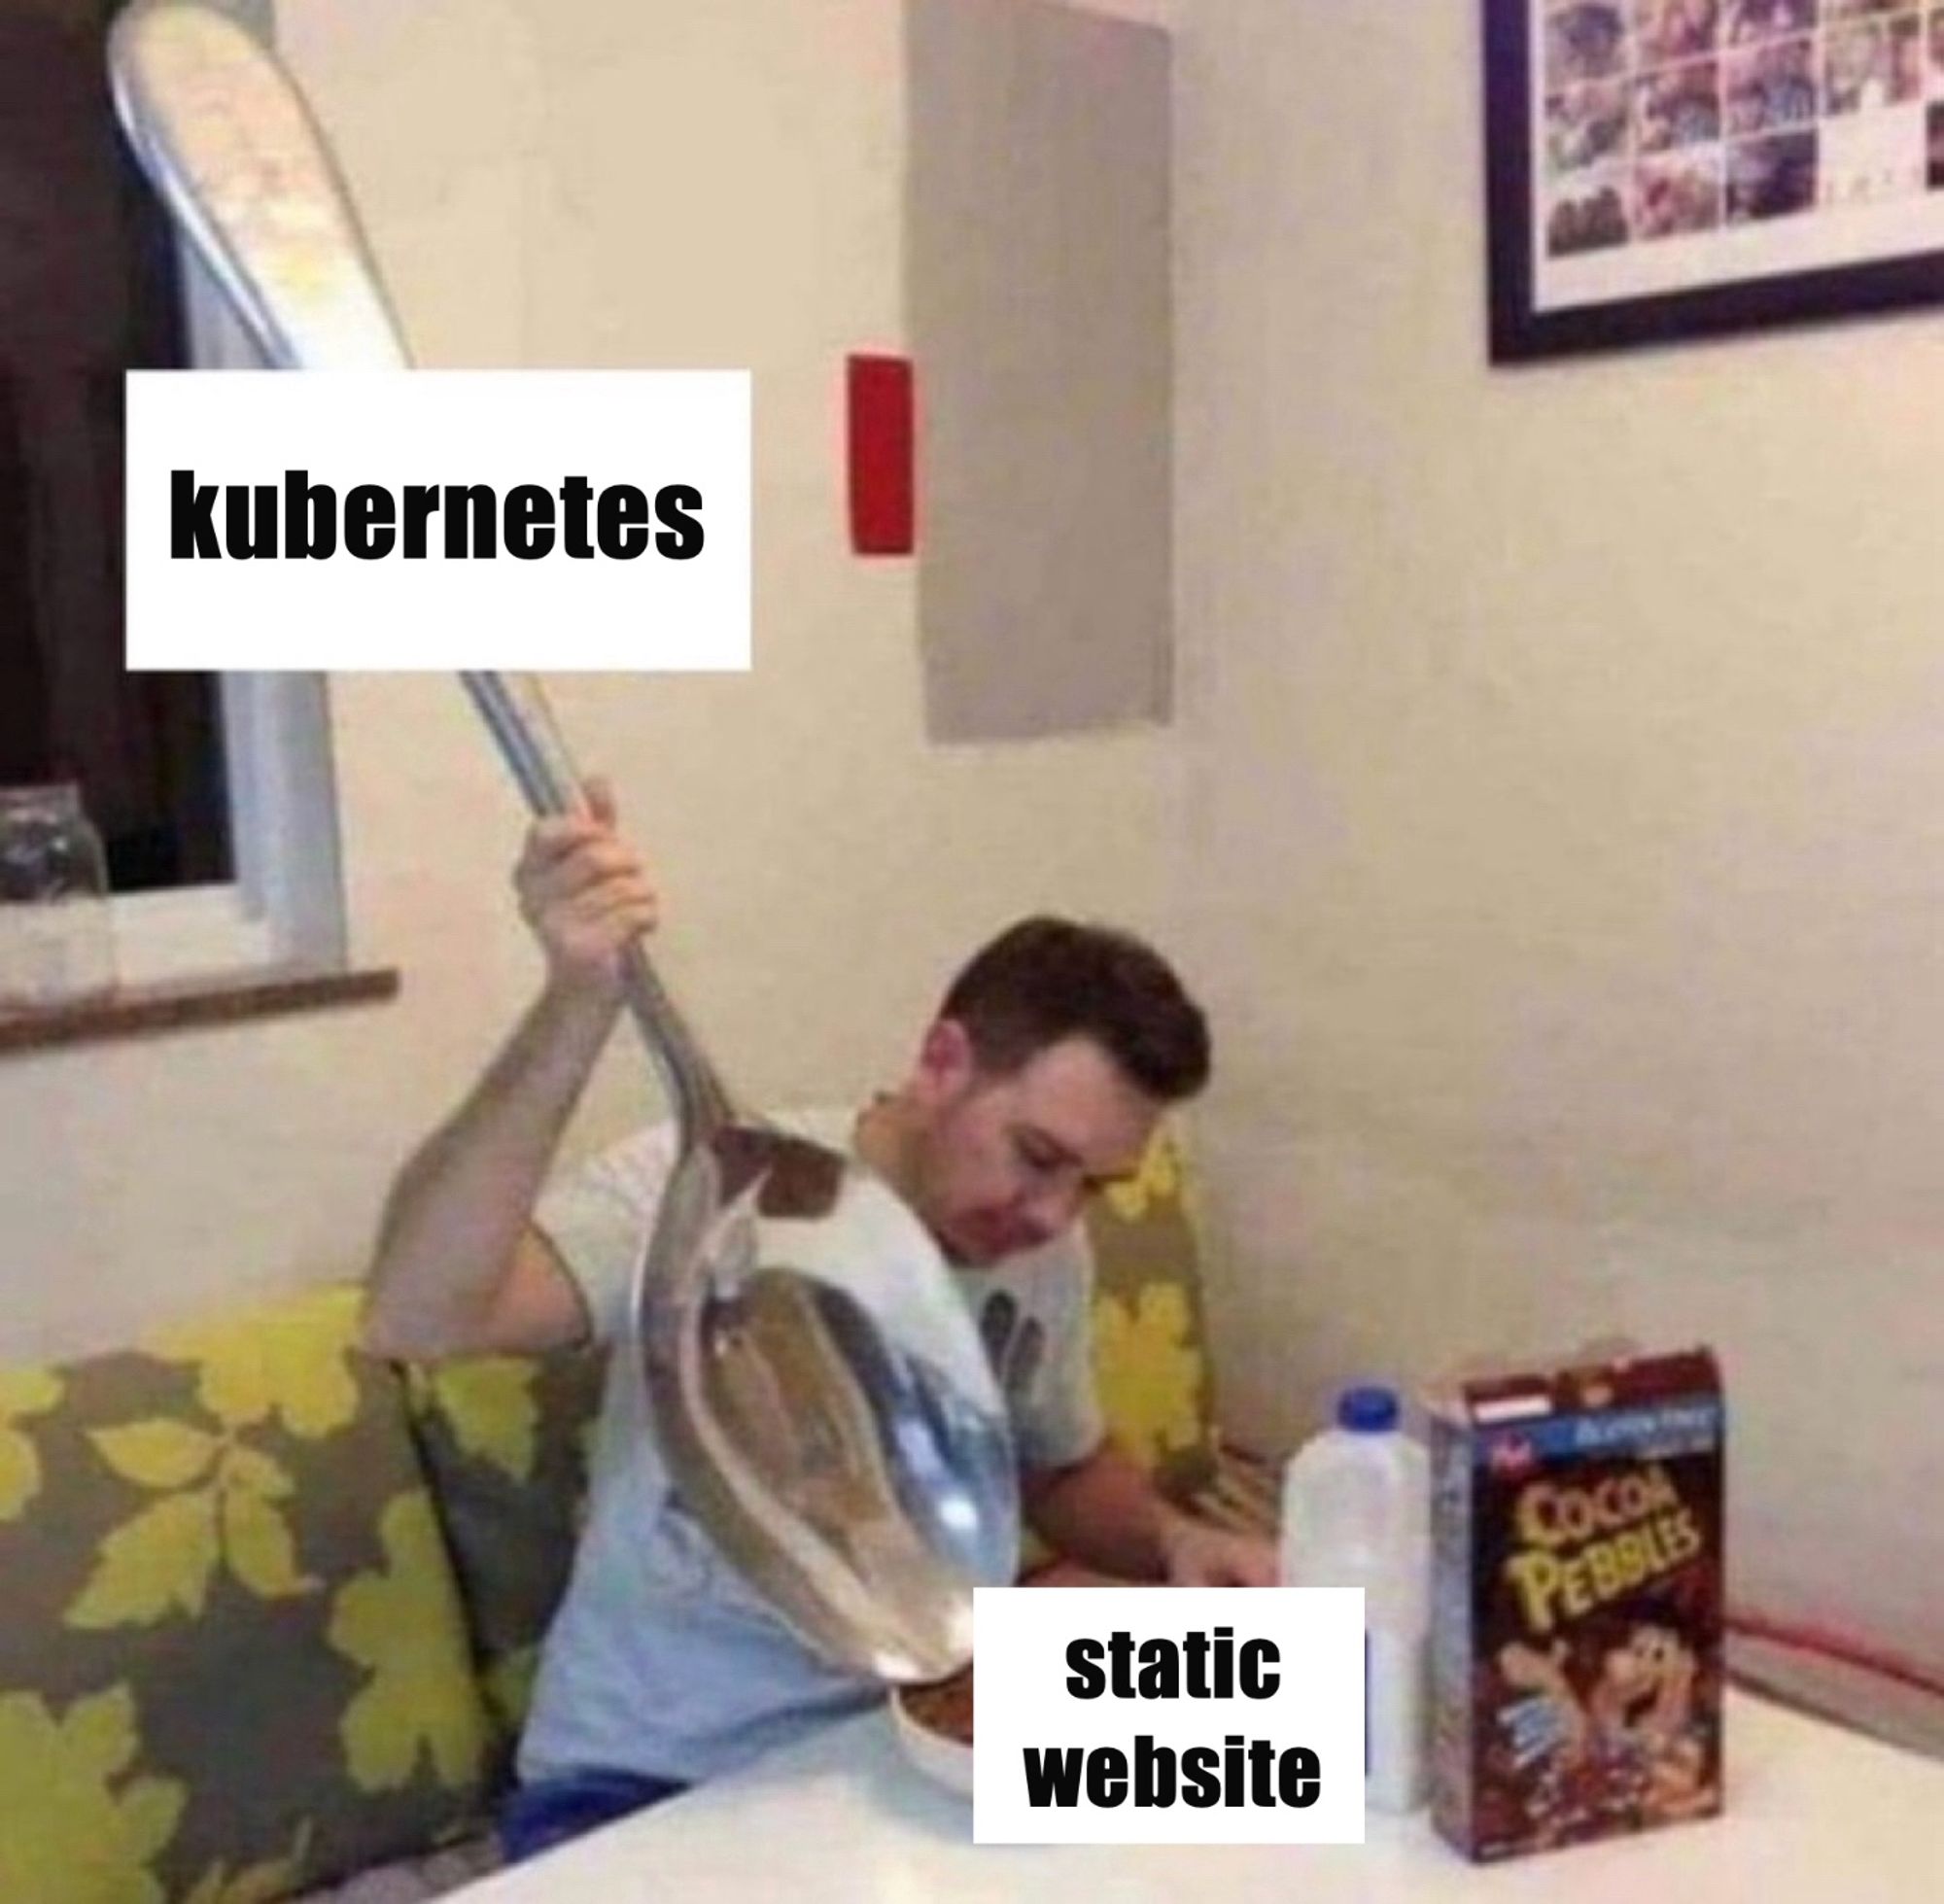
(934, 1727)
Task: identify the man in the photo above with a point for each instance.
(1042, 1078)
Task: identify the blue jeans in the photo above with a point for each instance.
(537, 1818)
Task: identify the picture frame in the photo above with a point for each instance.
(1658, 170)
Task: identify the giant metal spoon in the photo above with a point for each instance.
(818, 1389)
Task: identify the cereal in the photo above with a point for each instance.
(944, 1707)
(1577, 1613)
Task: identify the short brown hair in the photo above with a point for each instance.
(1047, 978)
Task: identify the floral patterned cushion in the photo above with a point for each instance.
(1150, 1352)
(504, 1440)
(234, 1665)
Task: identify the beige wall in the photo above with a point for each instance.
(598, 183)
(1558, 832)
(1567, 807)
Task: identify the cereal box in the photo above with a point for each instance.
(1577, 1602)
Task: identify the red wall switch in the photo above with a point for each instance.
(883, 430)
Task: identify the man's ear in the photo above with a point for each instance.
(946, 1062)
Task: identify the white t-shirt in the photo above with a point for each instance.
(662, 1659)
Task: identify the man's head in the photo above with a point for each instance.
(1053, 1056)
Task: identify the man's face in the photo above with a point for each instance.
(1003, 1162)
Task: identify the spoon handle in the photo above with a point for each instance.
(515, 711)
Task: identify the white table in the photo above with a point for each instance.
(1816, 1815)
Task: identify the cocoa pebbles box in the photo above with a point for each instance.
(1577, 1602)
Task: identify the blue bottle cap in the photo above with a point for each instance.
(1368, 1410)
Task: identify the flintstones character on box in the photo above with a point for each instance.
(1576, 1650)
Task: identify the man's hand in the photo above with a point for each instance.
(1104, 1514)
(586, 896)
(1198, 1555)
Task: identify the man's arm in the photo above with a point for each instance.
(458, 1267)
(1106, 1513)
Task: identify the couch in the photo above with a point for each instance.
(272, 1605)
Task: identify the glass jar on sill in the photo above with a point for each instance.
(56, 931)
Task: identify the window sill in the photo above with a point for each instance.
(184, 1004)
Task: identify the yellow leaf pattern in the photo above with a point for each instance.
(151, 1810)
(167, 1554)
(1159, 1180)
(249, 1472)
(100, 1732)
(220, 1507)
(162, 1558)
(276, 1365)
(178, 1484)
(1147, 1369)
(400, 1622)
(256, 1884)
(257, 1544)
(158, 1454)
(493, 1409)
(24, 1393)
(509, 1685)
(69, 1766)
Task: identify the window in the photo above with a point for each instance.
(213, 793)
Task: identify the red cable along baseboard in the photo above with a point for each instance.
(1800, 1636)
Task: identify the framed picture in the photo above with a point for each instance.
(1659, 169)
